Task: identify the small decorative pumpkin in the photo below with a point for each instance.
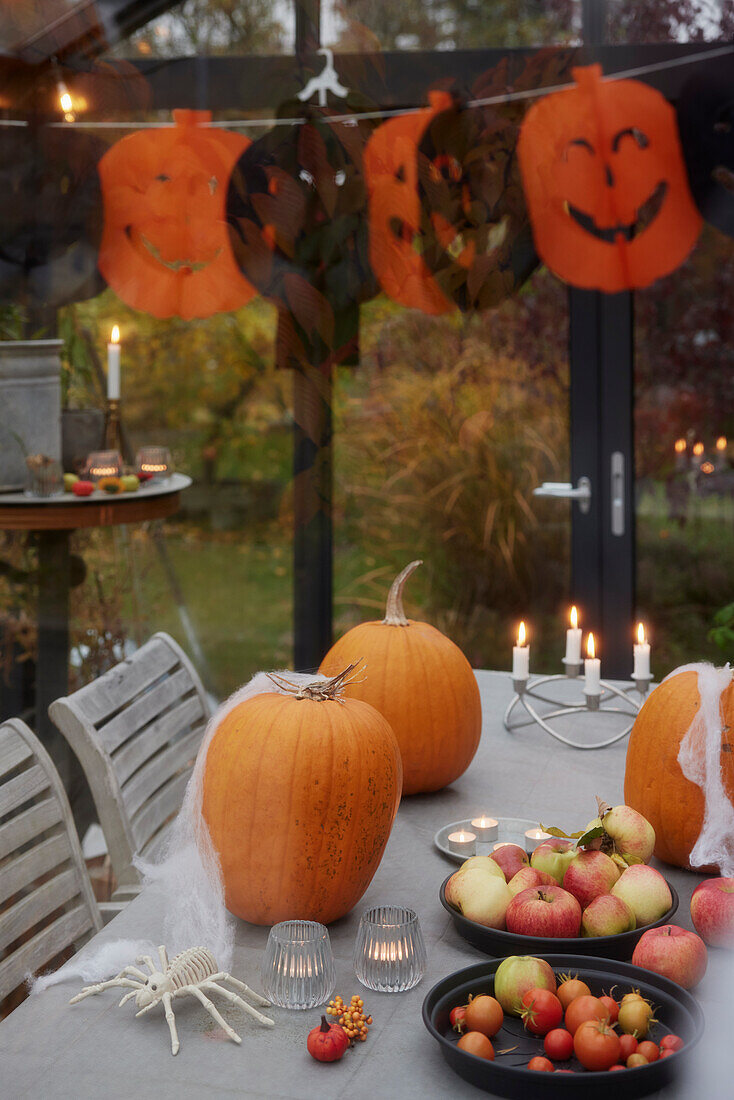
(328, 1042)
(165, 247)
(680, 768)
(300, 793)
(606, 184)
(424, 686)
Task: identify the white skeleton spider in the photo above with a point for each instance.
(190, 973)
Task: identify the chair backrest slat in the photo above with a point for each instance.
(155, 814)
(113, 690)
(136, 731)
(28, 825)
(156, 771)
(31, 909)
(44, 946)
(20, 871)
(21, 788)
(46, 900)
(135, 753)
(144, 709)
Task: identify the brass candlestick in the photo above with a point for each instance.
(113, 433)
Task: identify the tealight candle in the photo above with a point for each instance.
(463, 843)
(521, 656)
(641, 653)
(534, 837)
(113, 365)
(573, 640)
(592, 669)
(485, 828)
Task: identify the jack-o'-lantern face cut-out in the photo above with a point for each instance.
(165, 247)
(706, 121)
(606, 184)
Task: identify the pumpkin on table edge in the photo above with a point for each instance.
(424, 686)
(655, 783)
(300, 792)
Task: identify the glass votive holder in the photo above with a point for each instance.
(103, 464)
(153, 463)
(389, 952)
(45, 477)
(298, 968)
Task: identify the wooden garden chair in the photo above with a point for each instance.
(136, 731)
(46, 900)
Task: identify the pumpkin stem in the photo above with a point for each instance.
(322, 689)
(394, 614)
(325, 1025)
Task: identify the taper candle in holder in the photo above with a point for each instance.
(113, 431)
(597, 693)
(389, 951)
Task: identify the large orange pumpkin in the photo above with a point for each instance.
(165, 245)
(680, 768)
(424, 686)
(605, 183)
(300, 793)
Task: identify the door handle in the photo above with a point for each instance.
(617, 492)
(564, 490)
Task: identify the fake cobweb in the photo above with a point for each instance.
(699, 757)
(186, 878)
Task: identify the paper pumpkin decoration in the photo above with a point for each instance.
(51, 224)
(606, 184)
(706, 121)
(297, 209)
(165, 247)
(448, 222)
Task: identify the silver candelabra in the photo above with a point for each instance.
(527, 693)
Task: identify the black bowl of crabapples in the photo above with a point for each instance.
(562, 1025)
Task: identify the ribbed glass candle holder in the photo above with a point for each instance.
(298, 968)
(389, 952)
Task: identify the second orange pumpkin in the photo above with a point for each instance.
(423, 684)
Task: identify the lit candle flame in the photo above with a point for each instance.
(641, 633)
(590, 647)
(65, 101)
(721, 443)
(521, 634)
(707, 467)
(680, 446)
(698, 448)
(574, 617)
(115, 335)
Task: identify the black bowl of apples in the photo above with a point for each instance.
(569, 900)
(552, 1051)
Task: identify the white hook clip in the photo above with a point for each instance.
(326, 81)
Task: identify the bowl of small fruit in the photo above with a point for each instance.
(515, 1026)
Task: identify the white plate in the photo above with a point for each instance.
(511, 830)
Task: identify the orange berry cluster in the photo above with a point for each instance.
(351, 1017)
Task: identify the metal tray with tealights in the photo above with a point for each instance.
(511, 830)
(497, 941)
(676, 1011)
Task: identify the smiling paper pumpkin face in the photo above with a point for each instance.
(606, 185)
(165, 247)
